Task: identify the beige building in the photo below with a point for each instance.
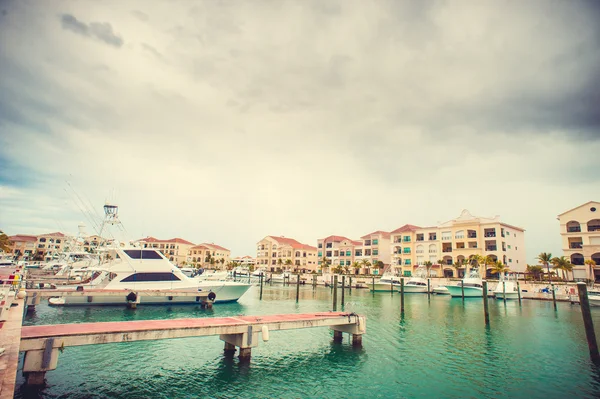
(375, 247)
(456, 240)
(580, 232)
(90, 243)
(245, 260)
(283, 253)
(208, 256)
(339, 250)
(23, 246)
(176, 249)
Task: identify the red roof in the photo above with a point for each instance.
(200, 246)
(293, 243)
(56, 234)
(385, 234)
(22, 238)
(405, 228)
(172, 240)
(357, 243)
(336, 239)
(215, 246)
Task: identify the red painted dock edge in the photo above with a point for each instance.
(62, 330)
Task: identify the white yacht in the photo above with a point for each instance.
(417, 283)
(507, 286)
(594, 297)
(6, 260)
(282, 277)
(388, 282)
(138, 270)
(473, 286)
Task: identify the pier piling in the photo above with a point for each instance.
(297, 287)
(337, 336)
(428, 288)
(229, 350)
(343, 289)
(462, 289)
(588, 323)
(504, 291)
(519, 292)
(357, 340)
(554, 297)
(486, 311)
(350, 285)
(335, 281)
(314, 281)
(373, 284)
(261, 277)
(402, 295)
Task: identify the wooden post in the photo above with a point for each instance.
(343, 288)
(314, 282)
(587, 322)
(350, 285)
(519, 292)
(486, 311)
(462, 289)
(402, 295)
(428, 287)
(261, 285)
(335, 279)
(297, 287)
(553, 297)
(373, 284)
(337, 336)
(504, 291)
(392, 286)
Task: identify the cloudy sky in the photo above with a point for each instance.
(225, 121)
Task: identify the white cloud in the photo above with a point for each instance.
(225, 122)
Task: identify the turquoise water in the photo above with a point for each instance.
(440, 348)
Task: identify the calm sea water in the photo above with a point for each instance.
(439, 349)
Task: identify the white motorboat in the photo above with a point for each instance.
(138, 270)
(388, 282)
(441, 290)
(508, 287)
(417, 283)
(282, 277)
(472, 285)
(6, 260)
(594, 297)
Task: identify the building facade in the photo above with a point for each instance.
(580, 233)
(456, 240)
(340, 251)
(245, 260)
(280, 253)
(175, 249)
(208, 256)
(23, 246)
(374, 247)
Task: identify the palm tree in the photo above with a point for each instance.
(499, 268)
(459, 264)
(346, 269)
(379, 264)
(365, 263)
(544, 259)
(5, 243)
(563, 264)
(428, 265)
(355, 266)
(591, 263)
(279, 262)
(288, 263)
(535, 270)
(325, 262)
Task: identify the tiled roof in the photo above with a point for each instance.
(56, 234)
(336, 239)
(172, 240)
(293, 243)
(215, 246)
(200, 246)
(22, 238)
(385, 234)
(405, 228)
(359, 243)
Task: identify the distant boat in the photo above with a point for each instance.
(417, 283)
(594, 297)
(472, 285)
(388, 282)
(508, 286)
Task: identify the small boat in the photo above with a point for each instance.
(594, 297)
(472, 285)
(388, 282)
(281, 278)
(441, 290)
(417, 283)
(508, 287)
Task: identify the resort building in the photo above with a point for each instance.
(208, 256)
(176, 249)
(340, 251)
(456, 240)
(245, 260)
(374, 247)
(90, 243)
(580, 232)
(283, 253)
(23, 246)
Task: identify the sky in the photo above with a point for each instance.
(226, 121)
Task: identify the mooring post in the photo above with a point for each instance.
(428, 288)
(350, 285)
(392, 286)
(229, 350)
(504, 291)
(314, 280)
(462, 289)
(297, 287)
(335, 280)
(337, 336)
(261, 284)
(486, 311)
(587, 322)
(519, 292)
(343, 289)
(553, 297)
(331, 282)
(402, 295)
(373, 284)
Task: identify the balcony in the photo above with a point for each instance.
(472, 235)
(574, 229)
(490, 234)
(576, 245)
(491, 248)
(433, 251)
(447, 250)
(432, 237)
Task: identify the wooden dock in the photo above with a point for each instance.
(10, 334)
(41, 344)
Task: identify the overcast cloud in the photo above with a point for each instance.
(228, 121)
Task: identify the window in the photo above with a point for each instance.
(328, 245)
(336, 253)
(509, 247)
(144, 277)
(375, 252)
(406, 238)
(348, 253)
(510, 260)
(139, 254)
(328, 253)
(407, 262)
(375, 242)
(320, 254)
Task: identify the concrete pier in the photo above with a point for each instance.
(10, 333)
(41, 344)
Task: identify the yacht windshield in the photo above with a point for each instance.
(139, 254)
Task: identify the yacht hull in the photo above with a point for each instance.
(442, 290)
(414, 289)
(470, 292)
(385, 287)
(509, 295)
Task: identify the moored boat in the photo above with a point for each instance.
(506, 287)
(472, 286)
